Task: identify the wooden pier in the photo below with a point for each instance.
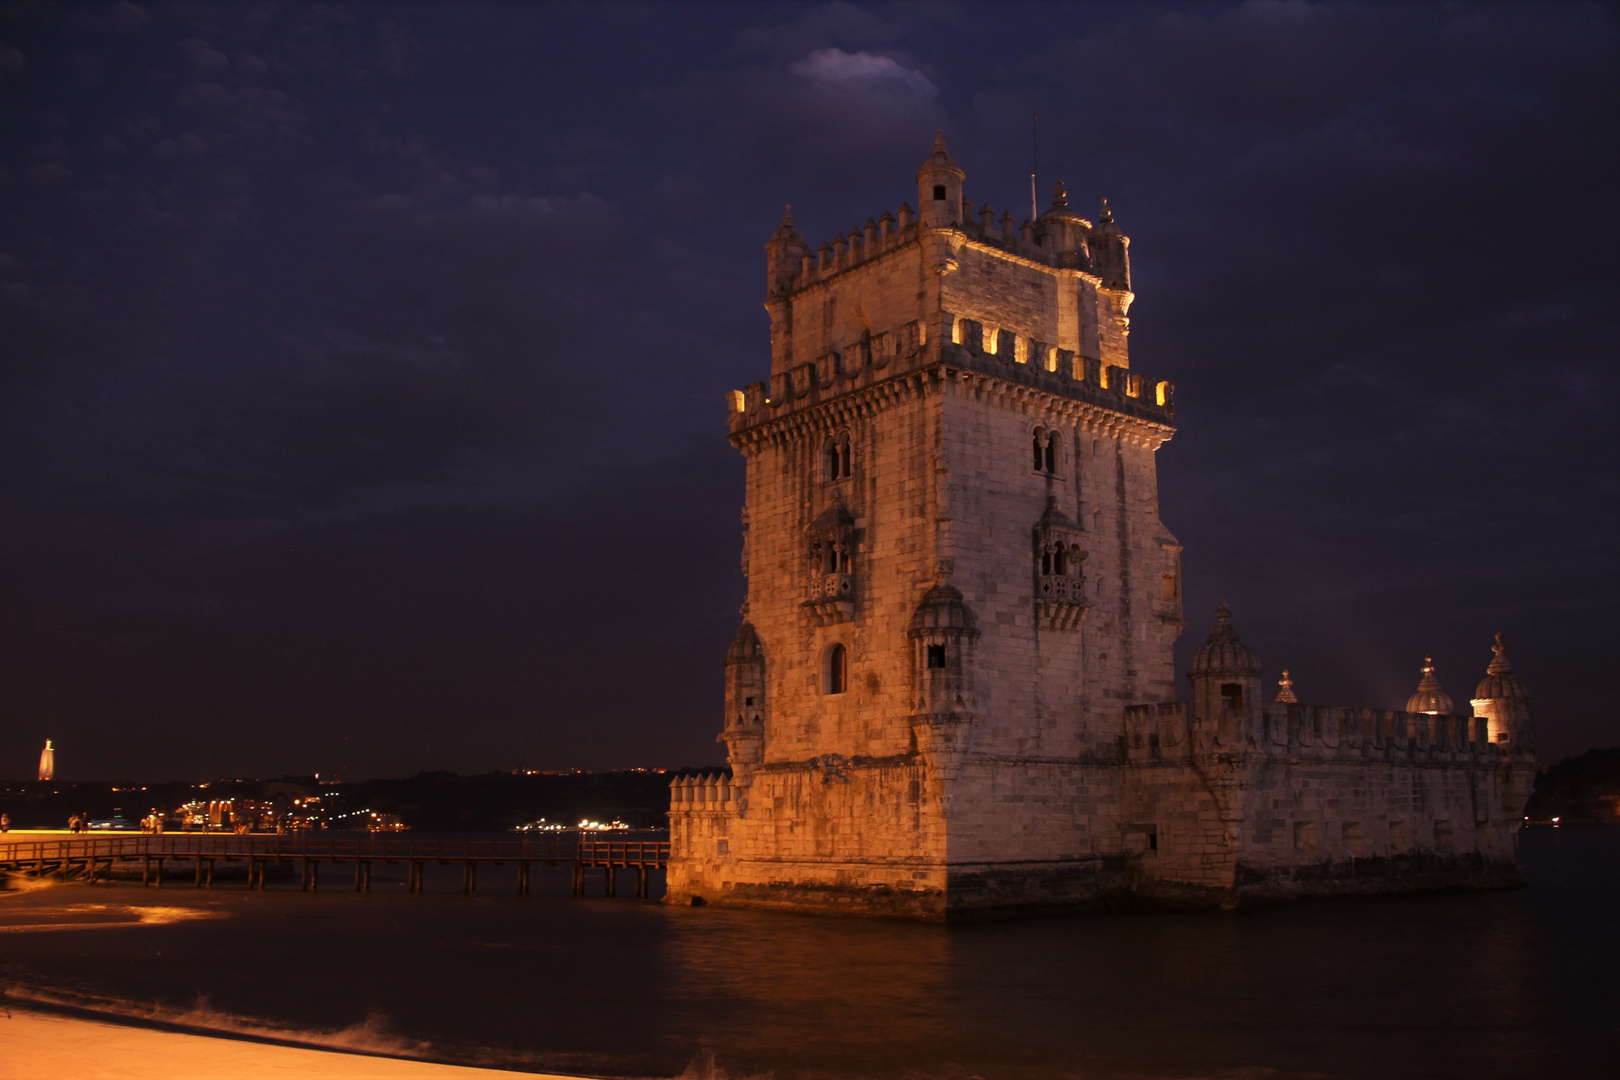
(93, 858)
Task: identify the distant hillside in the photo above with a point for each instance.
(430, 801)
(1585, 788)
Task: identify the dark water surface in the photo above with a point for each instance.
(1508, 984)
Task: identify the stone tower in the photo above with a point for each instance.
(952, 693)
(957, 576)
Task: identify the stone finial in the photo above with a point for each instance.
(1499, 662)
(1060, 194)
(1286, 694)
(1223, 614)
(1107, 215)
(785, 232)
(939, 140)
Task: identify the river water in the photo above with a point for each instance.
(1522, 983)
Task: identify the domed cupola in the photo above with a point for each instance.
(746, 646)
(1429, 697)
(1223, 653)
(1061, 228)
(1499, 680)
(942, 609)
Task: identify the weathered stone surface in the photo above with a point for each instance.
(952, 695)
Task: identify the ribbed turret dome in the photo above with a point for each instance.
(1499, 681)
(1429, 697)
(940, 159)
(1060, 209)
(1223, 653)
(786, 234)
(942, 608)
(745, 646)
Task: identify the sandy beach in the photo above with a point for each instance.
(47, 1044)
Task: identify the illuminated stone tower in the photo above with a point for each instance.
(47, 762)
(953, 694)
(957, 576)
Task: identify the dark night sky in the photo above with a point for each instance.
(361, 368)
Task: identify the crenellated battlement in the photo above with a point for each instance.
(996, 351)
(1165, 732)
(1041, 304)
(708, 791)
(1091, 251)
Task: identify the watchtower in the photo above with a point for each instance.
(957, 576)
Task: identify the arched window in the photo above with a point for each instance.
(837, 669)
(837, 460)
(1044, 445)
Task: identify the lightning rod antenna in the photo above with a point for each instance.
(1034, 158)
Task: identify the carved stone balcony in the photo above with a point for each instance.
(831, 598)
(1061, 601)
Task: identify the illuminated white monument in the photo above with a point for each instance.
(47, 762)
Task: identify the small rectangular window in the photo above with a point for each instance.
(1167, 587)
(939, 192)
(1232, 696)
(1304, 836)
(936, 656)
(748, 701)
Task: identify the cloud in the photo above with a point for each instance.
(835, 67)
(49, 174)
(203, 56)
(127, 17)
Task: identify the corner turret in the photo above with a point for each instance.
(1225, 677)
(939, 188)
(744, 733)
(1111, 252)
(1502, 699)
(784, 255)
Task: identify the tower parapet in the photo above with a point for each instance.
(1042, 306)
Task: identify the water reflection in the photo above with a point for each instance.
(1509, 984)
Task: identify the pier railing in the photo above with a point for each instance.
(96, 856)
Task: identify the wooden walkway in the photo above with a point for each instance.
(94, 857)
